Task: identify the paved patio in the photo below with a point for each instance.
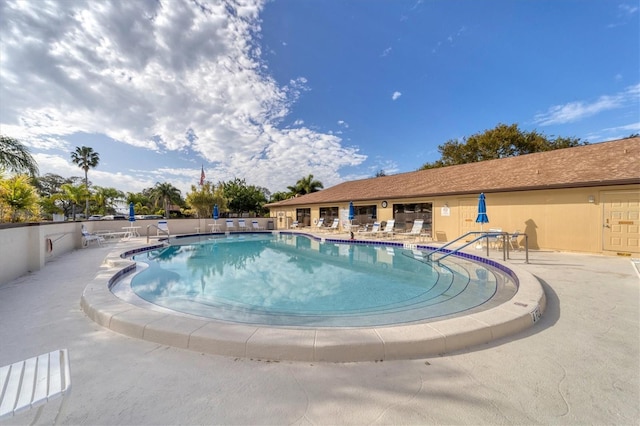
(580, 364)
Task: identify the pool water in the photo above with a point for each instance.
(293, 280)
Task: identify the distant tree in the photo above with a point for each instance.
(167, 194)
(202, 198)
(380, 173)
(75, 194)
(632, 135)
(49, 187)
(244, 198)
(105, 199)
(501, 142)
(279, 196)
(306, 185)
(86, 159)
(14, 156)
(20, 197)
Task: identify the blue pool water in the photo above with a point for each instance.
(293, 280)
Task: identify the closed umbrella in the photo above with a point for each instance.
(482, 211)
(215, 216)
(352, 214)
(132, 213)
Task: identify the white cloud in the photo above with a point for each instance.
(386, 52)
(396, 95)
(575, 111)
(162, 75)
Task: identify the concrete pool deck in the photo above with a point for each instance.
(579, 364)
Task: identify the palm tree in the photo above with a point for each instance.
(306, 185)
(166, 193)
(74, 194)
(16, 157)
(86, 159)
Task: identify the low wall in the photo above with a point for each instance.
(28, 247)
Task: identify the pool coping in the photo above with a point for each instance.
(405, 341)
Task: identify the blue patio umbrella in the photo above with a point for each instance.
(352, 212)
(132, 213)
(215, 212)
(482, 211)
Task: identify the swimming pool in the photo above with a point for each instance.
(294, 280)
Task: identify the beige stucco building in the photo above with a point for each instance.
(582, 199)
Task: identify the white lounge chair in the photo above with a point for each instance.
(88, 237)
(375, 230)
(335, 225)
(256, 226)
(242, 225)
(320, 225)
(415, 231)
(388, 229)
(294, 224)
(231, 226)
(34, 382)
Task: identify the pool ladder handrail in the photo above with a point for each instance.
(164, 231)
(480, 235)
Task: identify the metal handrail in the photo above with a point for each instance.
(159, 229)
(481, 235)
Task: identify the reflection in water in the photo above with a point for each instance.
(272, 279)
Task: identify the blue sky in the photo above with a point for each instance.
(273, 91)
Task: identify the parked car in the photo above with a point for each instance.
(114, 217)
(95, 217)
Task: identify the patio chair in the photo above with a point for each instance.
(88, 237)
(415, 231)
(256, 226)
(335, 225)
(231, 226)
(242, 225)
(163, 228)
(318, 226)
(33, 382)
(375, 230)
(295, 224)
(388, 229)
(513, 241)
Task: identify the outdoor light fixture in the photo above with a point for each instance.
(592, 199)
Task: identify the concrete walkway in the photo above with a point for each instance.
(580, 364)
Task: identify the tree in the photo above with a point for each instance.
(380, 173)
(74, 194)
(306, 185)
(279, 196)
(105, 199)
(15, 157)
(20, 197)
(86, 159)
(242, 197)
(501, 142)
(49, 188)
(167, 194)
(203, 198)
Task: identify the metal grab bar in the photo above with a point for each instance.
(480, 235)
(159, 229)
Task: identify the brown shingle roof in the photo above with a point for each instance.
(605, 163)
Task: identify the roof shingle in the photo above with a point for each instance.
(605, 163)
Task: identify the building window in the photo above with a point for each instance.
(328, 214)
(406, 214)
(365, 215)
(303, 216)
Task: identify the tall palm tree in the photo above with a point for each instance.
(166, 193)
(16, 157)
(86, 159)
(306, 185)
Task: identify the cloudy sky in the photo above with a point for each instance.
(271, 91)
